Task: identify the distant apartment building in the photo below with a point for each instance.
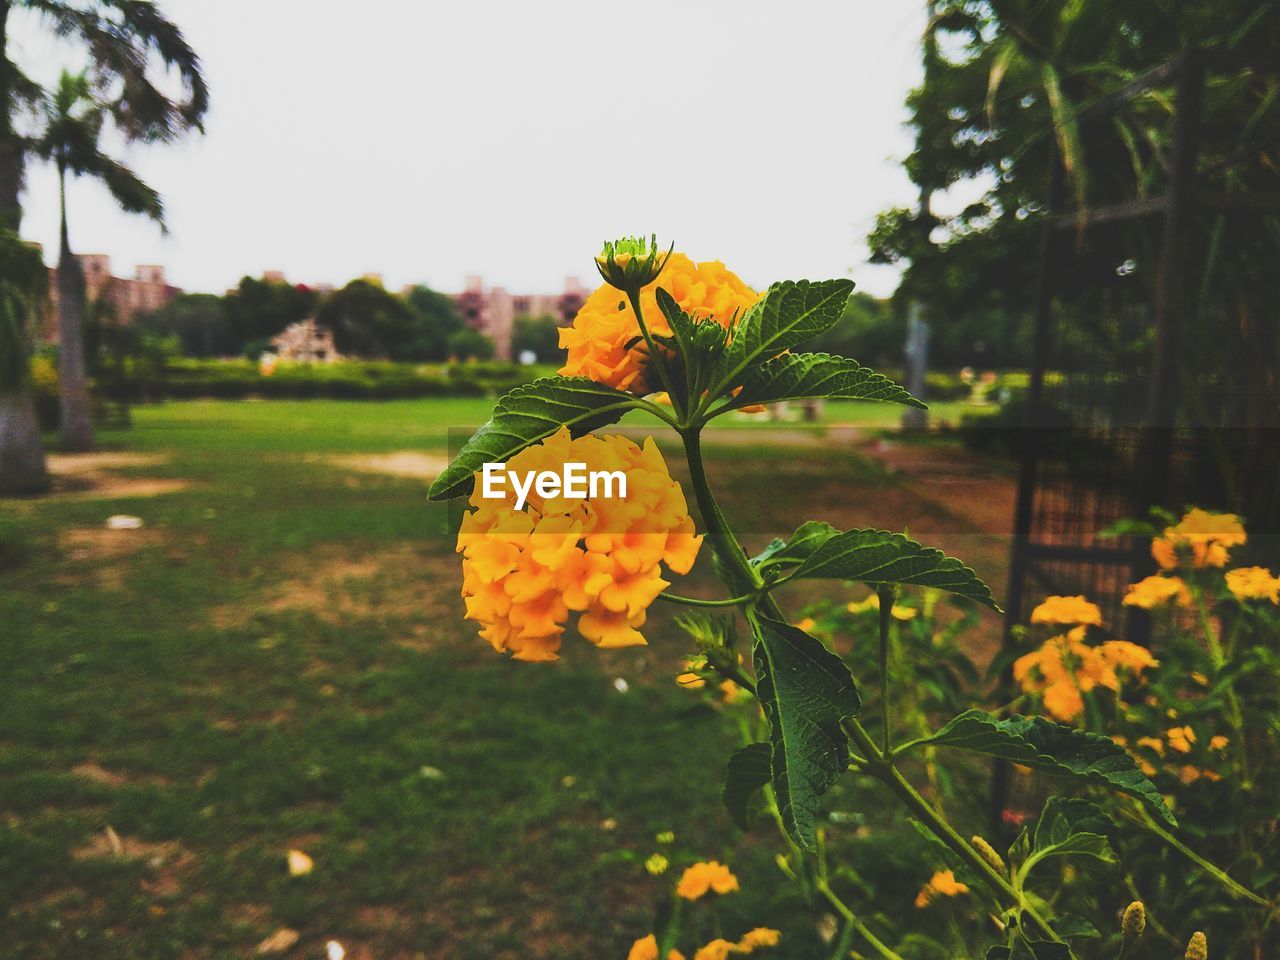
(145, 291)
(493, 310)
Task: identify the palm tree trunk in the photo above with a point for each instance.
(76, 422)
(22, 466)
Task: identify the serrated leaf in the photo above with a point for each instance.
(789, 313)
(808, 537)
(804, 376)
(1053, 748)
(1070, 826)
(748, 771)
(806, 691)
(877, 556)
(527, 415)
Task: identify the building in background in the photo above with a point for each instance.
(145, 291)
(493, 311)
(305, 342)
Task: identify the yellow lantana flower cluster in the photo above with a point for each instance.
(941, 884)
(702, 878)
(1200, 539)
(1156, 591)
(523, 571)
(1066, 667)
(603, 339)
(1253, 583)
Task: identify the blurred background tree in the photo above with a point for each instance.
(538, 335)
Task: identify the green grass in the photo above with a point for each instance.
(277, 660)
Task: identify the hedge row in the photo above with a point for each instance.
(348, 380)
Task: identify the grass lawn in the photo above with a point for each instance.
(277, 660)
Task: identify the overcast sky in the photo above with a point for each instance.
(428, 141)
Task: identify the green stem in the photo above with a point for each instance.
(655, 358)
(877, 764)
(889, 775)
(885, 594)
(1140, 817)
(851, 918)
(695, 602)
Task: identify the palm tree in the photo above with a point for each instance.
(71, 142)
(132, 51)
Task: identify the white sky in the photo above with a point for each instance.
(428, 140)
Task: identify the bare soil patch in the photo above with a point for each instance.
(400, 463)
(91, 476)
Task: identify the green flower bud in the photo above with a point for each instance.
(1197, 947)
(988, 853)
(657, 865)
(631, 262)
(1134, 921)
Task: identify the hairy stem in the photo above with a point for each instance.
(655, 358)
(885, 594)
(744, 578)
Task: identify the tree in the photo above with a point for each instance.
(538, 335)
(23, 283)
(438, 320)
(260, 309)
(469, 344)
(199, 321)
(71, 142)
(867, 331)
(129, 44)
(368, 321)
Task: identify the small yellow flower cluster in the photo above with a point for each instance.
(1253, 583)
(696, 882)
(1066, 667)
(701, 878)
(602, 340)
(872, 603)
(1156, 591)
(1067, 610)
(523, 571)
(1179, 740)
(1199, 539)
(646, 948)
(941, 884)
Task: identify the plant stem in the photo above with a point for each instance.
(851, 918)
(696, 602)
(655, 358)
(885, 594)
(738, 568)
(890, 776)
(1235, 888)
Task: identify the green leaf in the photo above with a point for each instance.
(810, 535)
(1070, 826)
(1053, 748)
(528, 415)
(803, 376)
(806, 692)
(789, 313)
(877, 556)
(748, 771)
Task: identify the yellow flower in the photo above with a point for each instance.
(1218, 742)
(1152, 743)
(1181, 739)
(602, 340)
(1065, 667)
(717, 949)
(1253, 583)
(1069, 610)
(759, 937)
(872, 602)
(646, 948)
(807, 624)
(656, 865)
(701, 877)
(1201, 538)
(943, 883)
(691, 681)
(1156, 591)
(524, 571)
